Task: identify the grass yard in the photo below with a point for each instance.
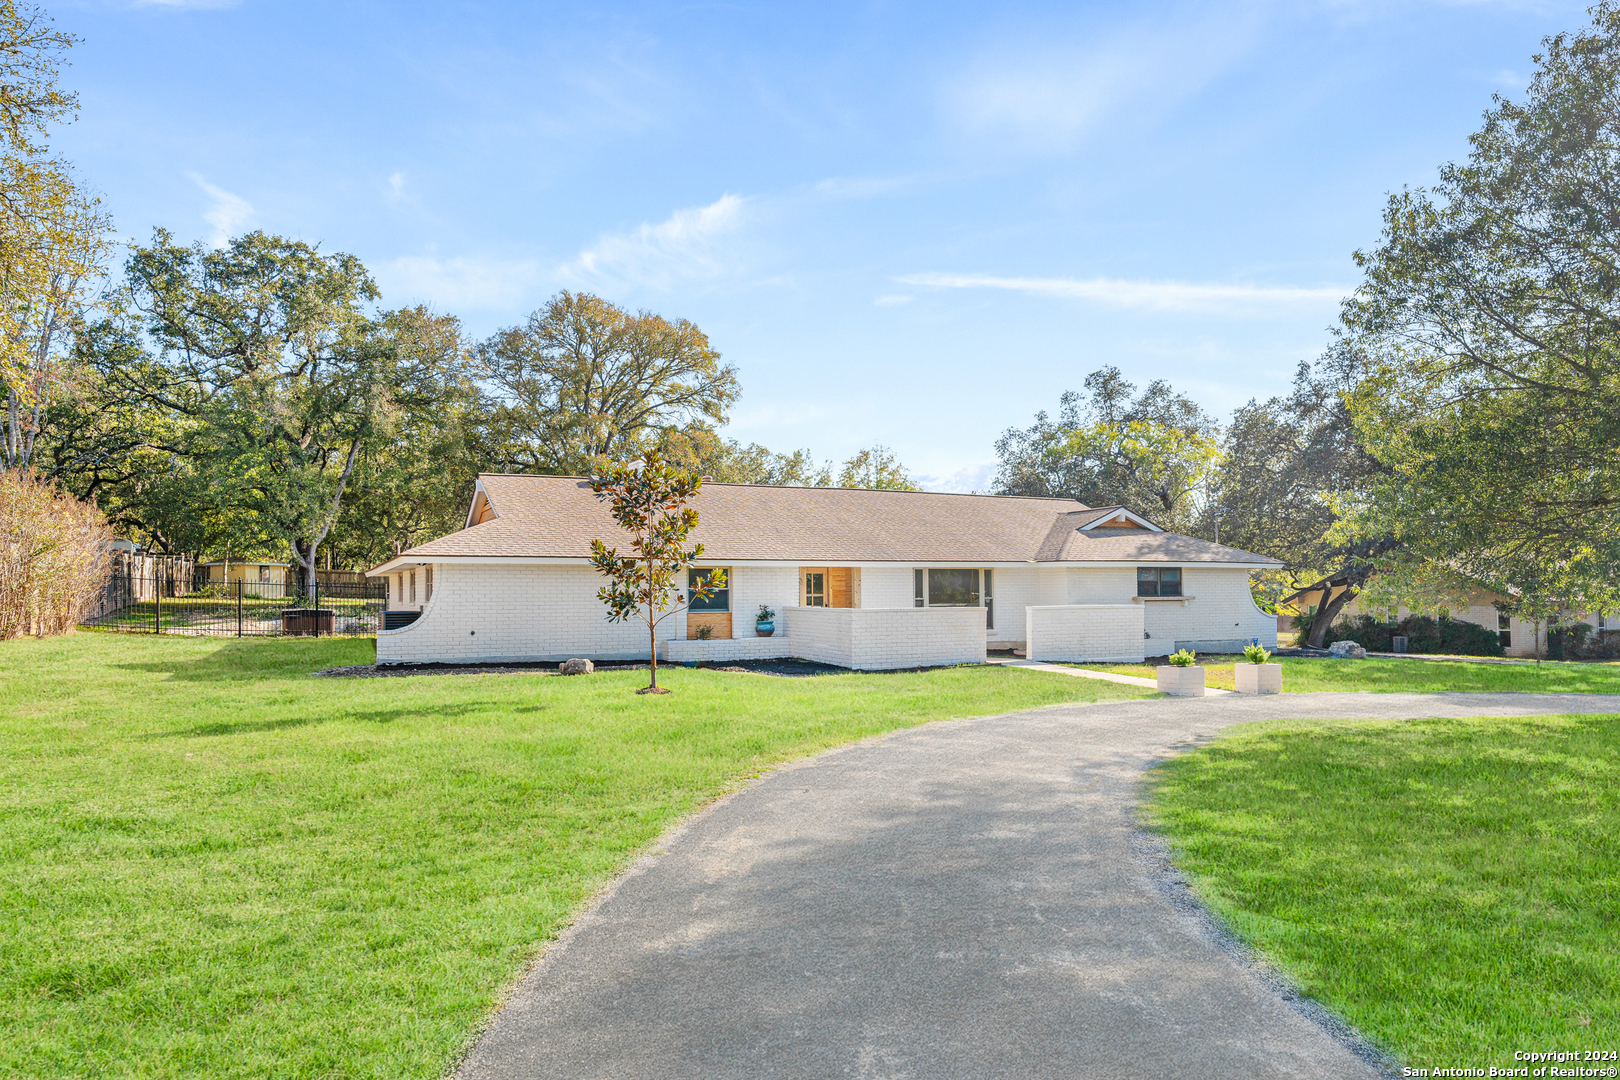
(213, 863)
(1452, 887)
(1304, 675)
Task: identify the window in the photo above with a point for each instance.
(1504, 628)
(1158, 581)
(264, 574)
(1602, 622)
(953, 588)
(815, 588)
(429, 593)
(921, 582)
(413, 586)
(989, 604)
(719, 600)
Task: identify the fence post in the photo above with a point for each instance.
(238, 609)
(317, 605)
(157, 605)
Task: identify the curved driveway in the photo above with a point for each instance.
(955, 900)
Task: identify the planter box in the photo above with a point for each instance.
(1258, 678)
(1182, 681)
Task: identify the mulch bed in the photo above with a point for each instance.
(786, 668)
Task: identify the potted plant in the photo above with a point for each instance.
(764, 625)
(1255, 676)
(1183, 676)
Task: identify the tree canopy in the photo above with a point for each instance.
(1490, 319)
(1155, 454)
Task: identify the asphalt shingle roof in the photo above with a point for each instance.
(558, 516)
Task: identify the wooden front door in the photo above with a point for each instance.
(829, 586)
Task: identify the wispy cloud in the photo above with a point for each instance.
(689, 245)
(228, 213)
(1045, 95)
(893, 299)
(462, 283)
(1151, 295)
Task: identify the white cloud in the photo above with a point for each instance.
(972, 478)
(1151, 295)
(396, 185)
(689, 245)
(461, 284)
(893, 299)
(1044, 94)
(228, 213)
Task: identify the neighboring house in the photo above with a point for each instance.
(858, 578)
(223, 572)
(1484, 608)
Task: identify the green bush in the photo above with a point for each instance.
(1423, 634)
(1183, 658)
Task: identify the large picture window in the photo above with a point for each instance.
(953, 588)
(1158, 581)
(719, 600)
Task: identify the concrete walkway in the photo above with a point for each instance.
(1105, 676)
(965, 899)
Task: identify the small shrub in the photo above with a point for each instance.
(765, 614)
(705, 632)
(1183, 658)
(1255, 654)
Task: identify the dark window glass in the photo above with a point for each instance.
(953, 588)
(920, 597)
(1158, 581)
(720, 600)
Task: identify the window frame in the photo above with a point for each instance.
(722, 594)
(1159, 581)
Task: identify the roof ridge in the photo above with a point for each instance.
(830, 487)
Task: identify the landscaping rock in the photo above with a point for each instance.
(579, 667)
(1347, 650)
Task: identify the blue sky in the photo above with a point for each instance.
(908, 224)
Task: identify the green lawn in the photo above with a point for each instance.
(1452, 887)
(213, 863)
(1304, 675)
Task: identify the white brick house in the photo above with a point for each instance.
(857, 578)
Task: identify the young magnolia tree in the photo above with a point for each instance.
(649, 503)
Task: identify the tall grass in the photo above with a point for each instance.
(54, 554)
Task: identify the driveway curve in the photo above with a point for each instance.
(955, 900)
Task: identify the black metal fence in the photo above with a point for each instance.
(188, 603)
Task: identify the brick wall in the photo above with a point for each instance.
(1085, 633)
(487, 613)
(875, 639)
(1222, 618)
(752, 586)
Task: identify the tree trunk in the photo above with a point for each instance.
(1323, 622)
(652, 634)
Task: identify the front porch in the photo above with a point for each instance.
(864, 639)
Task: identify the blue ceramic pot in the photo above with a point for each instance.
(765, 629)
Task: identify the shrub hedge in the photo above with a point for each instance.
(1424, 635)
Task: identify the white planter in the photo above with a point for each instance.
(1258, 678)
(1182, 681)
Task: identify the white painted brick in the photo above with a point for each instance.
(1085, 633)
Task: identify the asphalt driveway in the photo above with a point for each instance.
(965, 899)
